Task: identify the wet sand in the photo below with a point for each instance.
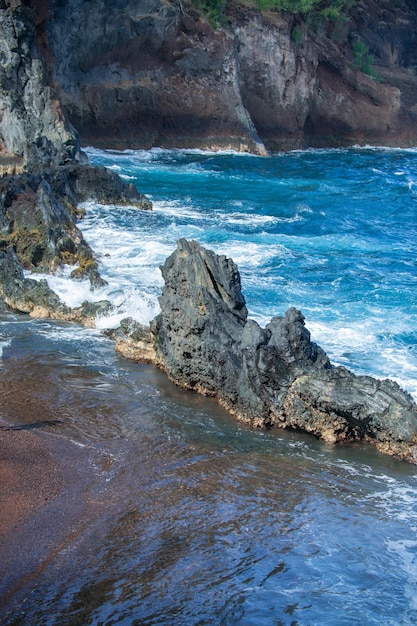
(29, 476)
(46, 486)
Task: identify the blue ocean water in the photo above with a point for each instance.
(189, 517)
(332, 232)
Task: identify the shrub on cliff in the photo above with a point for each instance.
(329, 10)
(213, 11)
(362, 59)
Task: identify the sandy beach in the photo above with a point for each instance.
(30, 476)
(45, 502)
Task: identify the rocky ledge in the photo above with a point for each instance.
(269, 377)
(39, 232)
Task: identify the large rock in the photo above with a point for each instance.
(100, 184)
(39, 213)
(272, 376)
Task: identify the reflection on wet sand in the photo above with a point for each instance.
(127, 500)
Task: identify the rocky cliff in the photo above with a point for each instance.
(155, 73)
(44, 173)
(32, 124)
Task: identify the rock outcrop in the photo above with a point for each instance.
(38, 232)
(155, 73)
(32, 124)
(44, 174)
(38, 215)
(270, 377)
(37, 299)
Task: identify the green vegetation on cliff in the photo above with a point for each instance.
(335, 10)
(362, 59)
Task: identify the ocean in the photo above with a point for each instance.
(203, 520)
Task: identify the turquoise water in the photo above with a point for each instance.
(331, 232)
(192, 518)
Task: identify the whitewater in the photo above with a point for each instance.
(331, 232)
(192, 518)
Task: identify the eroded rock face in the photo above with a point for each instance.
(32, 124)
(38, 215)
(154, 73)
(272, 376)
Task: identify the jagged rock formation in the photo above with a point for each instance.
(38, 232)
(32, 125)
(272, 376)
(45, 174)
(155, 73)
(38, 215)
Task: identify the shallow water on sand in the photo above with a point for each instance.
(178, 514)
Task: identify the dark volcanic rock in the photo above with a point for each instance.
(38, 215)
(274, 376)
(32, 124)
(44, 174)
(155, 73)
(25, 295)
(35, 223)
(92, 182)
(36, 298)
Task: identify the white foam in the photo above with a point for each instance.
(339, 335)
(4, 343)
(250, 255)
(67, 333)
(405, 551)
(155, 154)
(71, 292)
(365, 345)
(176, 209)
(138, 305)
(139, 302)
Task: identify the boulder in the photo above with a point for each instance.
(273, 376)
(38, 215)
(37, 299)
(102, 185)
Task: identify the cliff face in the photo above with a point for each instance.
(155, 73)
(32, 124)
(43, 172)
